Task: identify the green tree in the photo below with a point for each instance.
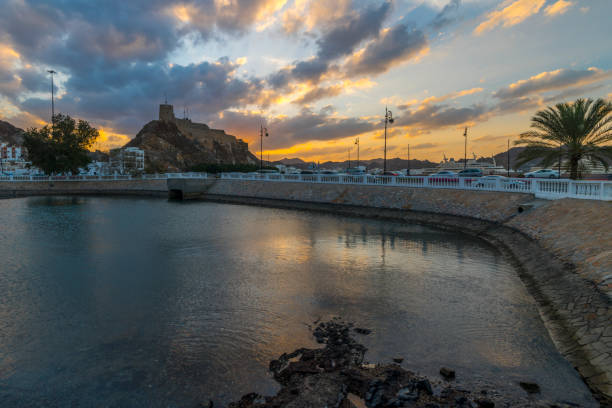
(570, 131)
(63, 147)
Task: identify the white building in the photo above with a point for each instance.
(127, 160)
(10, 152)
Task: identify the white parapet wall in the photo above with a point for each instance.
(542, 188)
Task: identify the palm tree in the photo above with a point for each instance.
(571, 131)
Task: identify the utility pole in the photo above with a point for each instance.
(408, 171)
(508, 157)
(52, 72)
(262, 131)
(389, 119)
(357, 143)
(465, 149)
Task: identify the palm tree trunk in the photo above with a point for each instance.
(573, 168)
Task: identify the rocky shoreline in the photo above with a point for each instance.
(336, 376)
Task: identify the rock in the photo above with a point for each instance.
(485, 403)
(407, 394)
(424, 385)
(447, 373)
(398, 360)
(360, 330)
(530, 387)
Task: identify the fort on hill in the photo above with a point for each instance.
(200, 131)
(175, 144)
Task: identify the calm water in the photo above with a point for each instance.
(125, 302)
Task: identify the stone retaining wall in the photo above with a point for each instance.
(486, 205)
(123, 187)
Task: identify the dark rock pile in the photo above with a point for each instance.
(336, 376)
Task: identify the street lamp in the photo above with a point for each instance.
(262, 131)
(408, 170)
(389, 119)
(465, 149)
(52, 107)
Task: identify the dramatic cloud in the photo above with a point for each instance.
(319, 93)
(349, 32)
(560, 7)
(422, 146)
(552, 80)
(447, 15)
(394, 46)
(511, 13)
(205, 87)
(430, 117)
(304, 14)
(337, 41)
(306, 126)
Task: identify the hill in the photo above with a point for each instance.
(10, 134)
(168, 149)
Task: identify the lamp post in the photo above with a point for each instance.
(560, 155)
(357, 143)
(408, 170)
(388, 119)
(52, 105)
(465, 149)
(508, 157)
(262, 131)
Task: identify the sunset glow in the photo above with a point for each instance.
(318, 74)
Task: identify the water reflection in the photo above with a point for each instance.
(135, 302)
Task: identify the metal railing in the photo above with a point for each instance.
(542, 188)
(104, 178)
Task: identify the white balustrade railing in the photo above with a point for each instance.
(105, 178)
(542, 188)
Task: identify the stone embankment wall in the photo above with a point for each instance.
(123, 187)
(485, 205)
(562, 248)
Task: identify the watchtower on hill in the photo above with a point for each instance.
(166, 112)
(200, 132)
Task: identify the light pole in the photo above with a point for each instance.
(508, 157)
(357, 143)
(52, 106)
(465, 149)
(560, 155)
(389, 119)
(262, 131)
(408, 171)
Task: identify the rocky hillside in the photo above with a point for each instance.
(10, 134)
(167, 149)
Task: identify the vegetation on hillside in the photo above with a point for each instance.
(576, 131)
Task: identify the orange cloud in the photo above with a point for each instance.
(512, 12)
(452, 95)
(109, 139)
(557, 8)
(310, 13)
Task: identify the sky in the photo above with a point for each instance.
(317, 73)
